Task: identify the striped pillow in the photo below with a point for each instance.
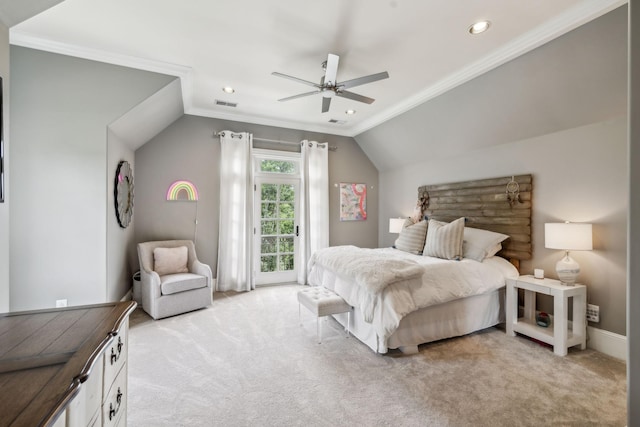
(444, 240)
(412, 236)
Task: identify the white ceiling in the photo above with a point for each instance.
(424, 45)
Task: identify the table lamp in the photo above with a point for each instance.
(568, 236)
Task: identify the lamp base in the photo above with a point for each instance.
(568, 270)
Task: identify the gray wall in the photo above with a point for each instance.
(633, 297)
(4, 207)
(61, 107)
(564, 100)
(188, 150)
(120, 241)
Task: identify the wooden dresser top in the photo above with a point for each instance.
(46, 354)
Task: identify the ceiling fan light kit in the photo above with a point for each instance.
(330, 87)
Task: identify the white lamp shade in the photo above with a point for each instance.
(568, 236)
(395, 225)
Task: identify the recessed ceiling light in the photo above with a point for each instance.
(350, 112)
(479, 27)
(228, 89)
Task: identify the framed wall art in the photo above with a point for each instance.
(353, 202)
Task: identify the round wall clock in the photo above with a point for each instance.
(123, 193)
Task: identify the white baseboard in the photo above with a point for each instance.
(606, 342)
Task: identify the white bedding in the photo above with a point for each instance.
(442, 281)
(369, 270)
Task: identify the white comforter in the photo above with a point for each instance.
(371, 271)
(441, 281)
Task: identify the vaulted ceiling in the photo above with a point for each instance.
(424, 46)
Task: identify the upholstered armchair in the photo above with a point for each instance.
(173, 281)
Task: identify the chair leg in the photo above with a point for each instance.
(319, 330)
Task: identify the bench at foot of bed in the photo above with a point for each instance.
(322, 302)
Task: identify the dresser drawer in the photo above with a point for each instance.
(114, 406)
(115, 356)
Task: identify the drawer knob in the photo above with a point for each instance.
(114, 411)
(115, 356)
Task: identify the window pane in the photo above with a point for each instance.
(269, 228)
(278, 166)
(270, 192)
(268, 263)
(286, 193)
(269, 210)
(286, 227)
(285, 244)
(268, 245)
(286, 262)
(286, 210)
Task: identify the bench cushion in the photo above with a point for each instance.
(322, 302)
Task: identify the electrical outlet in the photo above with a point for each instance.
(593, 313)
(61, 303)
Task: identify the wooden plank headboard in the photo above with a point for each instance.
(486, 204)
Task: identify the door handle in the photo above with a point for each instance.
(297, 230)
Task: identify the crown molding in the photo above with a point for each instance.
(203, 112)
(562, 24)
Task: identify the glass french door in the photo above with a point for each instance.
(276, 230)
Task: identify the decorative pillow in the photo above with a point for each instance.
(491, 252)
(444, 240)
(480, 244)
(411, 238)
(170, 260)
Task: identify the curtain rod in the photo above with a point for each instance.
(276, 141)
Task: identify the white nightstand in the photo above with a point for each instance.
(558, 333)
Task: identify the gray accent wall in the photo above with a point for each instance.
(188, 150)
(4, 207)
(61, 109)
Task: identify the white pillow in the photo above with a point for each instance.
(480, 244)
(444, 240)
(491, 252)
(411, 238)
(170, 260)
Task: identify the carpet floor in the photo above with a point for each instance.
(247, 361)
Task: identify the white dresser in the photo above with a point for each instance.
(65, 367)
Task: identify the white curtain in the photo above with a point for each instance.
(236, 213)
(314, 203)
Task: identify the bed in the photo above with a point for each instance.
(403, 299)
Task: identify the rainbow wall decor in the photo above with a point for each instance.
(182, 190)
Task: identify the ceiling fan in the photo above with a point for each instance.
(330, 87)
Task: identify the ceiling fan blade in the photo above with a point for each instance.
(289, 98)
(295, 79)
(326, 102)
(355, 97)
(331, 71)
(363, 80)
